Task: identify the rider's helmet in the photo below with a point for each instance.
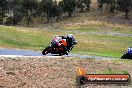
(71, 39)
(70, 36)
(130, 48)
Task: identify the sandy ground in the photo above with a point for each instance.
(53, 72)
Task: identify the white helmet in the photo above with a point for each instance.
(70, 35)
(130, 48)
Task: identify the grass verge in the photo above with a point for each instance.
(95, 37)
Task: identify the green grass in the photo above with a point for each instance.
(24, 38)
(89, 44)
(94, 38)
(103, 45)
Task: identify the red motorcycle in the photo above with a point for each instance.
(59, 49)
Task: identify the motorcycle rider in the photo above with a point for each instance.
(70, 40)
(56, 41)
(60, 41)
(129, 50)
(64, 42)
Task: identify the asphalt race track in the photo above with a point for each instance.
(18, 52)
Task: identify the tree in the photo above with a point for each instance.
(56, 11)
(3, 8)
(110, 3)
(124, 6)
(29, 8)
(68, 6)
(87, 2)
(19, 9)
(50, 9)
(15, 11)
(45, 6)
(84, 3)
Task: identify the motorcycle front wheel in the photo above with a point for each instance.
(46, 50)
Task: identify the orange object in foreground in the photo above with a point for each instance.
(83, 78)
(81, 71)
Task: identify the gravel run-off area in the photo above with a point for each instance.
(54, 72)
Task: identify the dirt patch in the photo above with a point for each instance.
(43, 72)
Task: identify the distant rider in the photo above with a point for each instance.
(129, 50)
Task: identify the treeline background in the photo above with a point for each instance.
(14, 12)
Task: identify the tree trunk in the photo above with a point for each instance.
(69, 14)
(81, 8)
(88, 7)
(100, 7)
(126, 14)
(48, 15)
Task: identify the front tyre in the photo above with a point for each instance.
(46, 50)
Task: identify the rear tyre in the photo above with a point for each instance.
(44, 52)
(66, 53)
